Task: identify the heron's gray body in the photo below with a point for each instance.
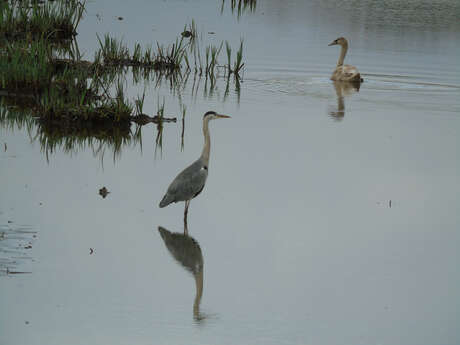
(188, 184)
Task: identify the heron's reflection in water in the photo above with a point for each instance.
(186, 250)
(343, 89)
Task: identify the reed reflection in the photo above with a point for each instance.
(343, 89)
(187, 252)
(238, 7)
(16, 241)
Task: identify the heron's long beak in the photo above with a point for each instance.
(223, 116)
(333, 43)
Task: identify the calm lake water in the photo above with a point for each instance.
(330, 215)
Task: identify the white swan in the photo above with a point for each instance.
(344, 72)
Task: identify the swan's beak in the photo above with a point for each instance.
(333, 43)
(223, 116)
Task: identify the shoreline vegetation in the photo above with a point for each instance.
(45, 82)
(42, 72)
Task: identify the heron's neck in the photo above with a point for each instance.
(343, 52)
(207, 142)
(199, 293)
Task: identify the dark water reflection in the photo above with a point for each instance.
(342, 90)
(187, 252)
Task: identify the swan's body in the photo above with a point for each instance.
(344, 72)
(190, 182)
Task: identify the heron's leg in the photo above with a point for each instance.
(187, 203)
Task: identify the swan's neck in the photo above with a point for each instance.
(207, 142)
(343, 52)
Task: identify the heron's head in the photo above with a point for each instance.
(340, 41)
(211, 115)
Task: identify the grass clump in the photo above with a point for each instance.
(237, 63)
(65, 92)
(56, 20)
(113, 52)
(25, 66)
(74, 102)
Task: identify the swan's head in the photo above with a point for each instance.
(211, 115)
(340, 41)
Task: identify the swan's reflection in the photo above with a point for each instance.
(343, 89)
(186, 250)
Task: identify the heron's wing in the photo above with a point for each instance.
(189, 183)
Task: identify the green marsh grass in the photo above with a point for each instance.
(72, 103)
(237, 63)
(25, 66)
(68, 94)
(113, 52)
(55, 20)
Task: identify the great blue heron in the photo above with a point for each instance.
(190, 182)
(344, 72)
(186, 250)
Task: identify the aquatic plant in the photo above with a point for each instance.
(170, 57)
(213, 63)
(55, 20)
(25, 65)
(113, 52)
(238, 63)
(139, 103)
(72, 103)
(60, 87)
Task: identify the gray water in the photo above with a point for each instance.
(330, 216)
